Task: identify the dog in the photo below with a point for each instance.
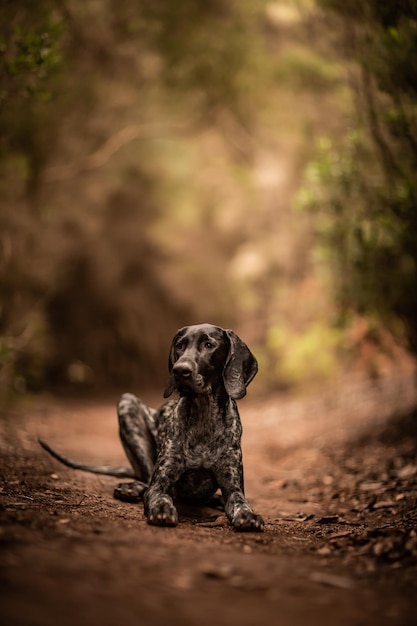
(190, 447)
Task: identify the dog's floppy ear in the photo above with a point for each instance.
(241, 367)
(170, 388)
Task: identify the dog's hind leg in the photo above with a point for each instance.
(137, 433)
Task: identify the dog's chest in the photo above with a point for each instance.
(207, 438)
(204, 452)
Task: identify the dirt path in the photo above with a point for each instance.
(340, 507)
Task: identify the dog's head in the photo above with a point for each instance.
(203, 358)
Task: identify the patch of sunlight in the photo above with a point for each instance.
(269, 172)
(248, 264)
(283, 13)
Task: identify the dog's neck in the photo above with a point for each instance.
(206, 407)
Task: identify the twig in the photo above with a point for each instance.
(113, 144)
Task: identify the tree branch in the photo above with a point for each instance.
(113, 144)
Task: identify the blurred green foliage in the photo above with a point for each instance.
(291, 354)
(29, 59)
(363, 185)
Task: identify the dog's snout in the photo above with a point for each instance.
(182, 370)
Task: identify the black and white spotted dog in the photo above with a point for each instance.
(190, 447)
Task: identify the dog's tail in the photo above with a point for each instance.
(108, 470)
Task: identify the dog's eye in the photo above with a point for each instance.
(208, 344)
(179, 345)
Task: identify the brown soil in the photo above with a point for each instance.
(333, 475)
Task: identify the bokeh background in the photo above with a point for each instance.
(252, 164)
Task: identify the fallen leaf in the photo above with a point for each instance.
(346, 533)
(371, 486)
(328, 519)
(332, 580)
(298, 517)
(407, 471)
(384, 504)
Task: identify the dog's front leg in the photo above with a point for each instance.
(240, 514)
(159, 505)
(238, 510)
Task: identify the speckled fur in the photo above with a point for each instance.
(190, 447)
(193, 442)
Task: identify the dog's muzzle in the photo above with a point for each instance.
(186, 378)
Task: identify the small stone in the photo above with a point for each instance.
(218, 572)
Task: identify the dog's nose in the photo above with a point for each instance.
(182, 370)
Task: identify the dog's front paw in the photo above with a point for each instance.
(247, 521)
(162, 513)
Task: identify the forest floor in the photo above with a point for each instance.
(334, 474)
